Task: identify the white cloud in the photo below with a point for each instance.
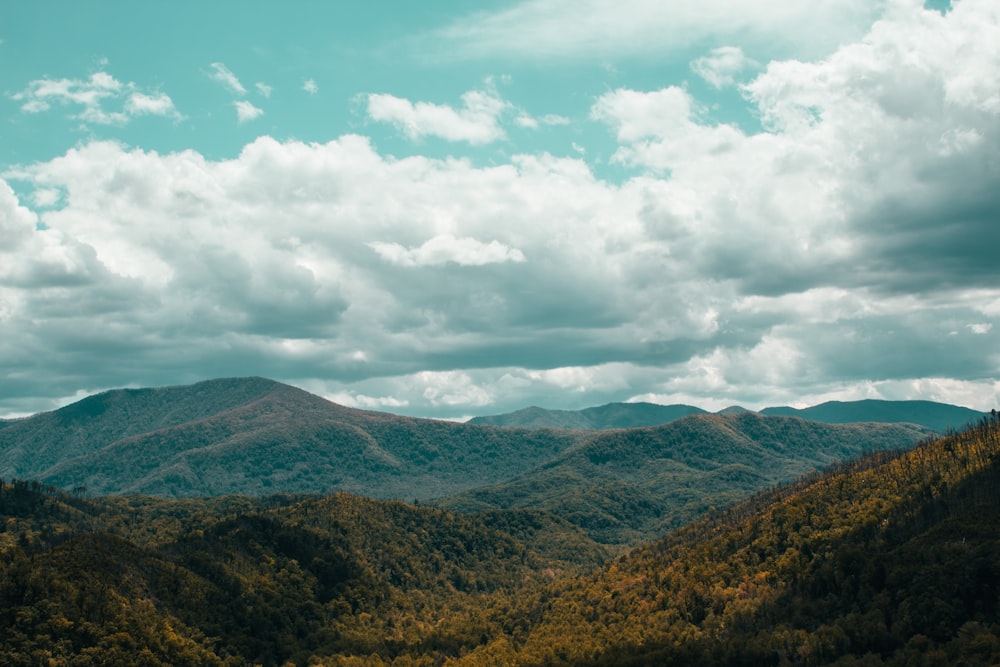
(246, 111)
(310, 87)
(722, 66)
(224, 75)
(446, 249)
(91, 97)
(477, 122)
(155, 105)
(831, 255)
(264, 89)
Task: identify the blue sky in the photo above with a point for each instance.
(457, 208)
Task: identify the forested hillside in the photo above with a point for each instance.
(138, 580)
(629, 485)
(893, 559)
(890, 559)
(257, 436)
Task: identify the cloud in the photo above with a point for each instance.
(606, 29)
(223, 75)
(245, 111)
(847, 250)
(264, 89)
(310, 87)
(722, 66)
(153, 105)
(446, 249)
(90, 96)
(477, 122)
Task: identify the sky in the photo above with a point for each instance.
(456, 208)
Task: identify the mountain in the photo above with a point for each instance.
(891, 559)
(612, 415)
(939, 417)
(627, 485)
(257, 436)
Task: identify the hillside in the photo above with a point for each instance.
(610, 416)
(258, 436)
(225, 581)
(939, 417)
(624, 486)
(892, 559)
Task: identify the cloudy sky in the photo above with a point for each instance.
(455, 207)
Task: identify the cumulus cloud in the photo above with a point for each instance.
(310, 87)
(264, 89)
(91, 96)
(476, 122)
(846, 251)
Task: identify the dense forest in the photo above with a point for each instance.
(893, 558)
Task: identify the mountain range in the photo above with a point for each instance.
(889, 559)
(939, 417)
(257, 436)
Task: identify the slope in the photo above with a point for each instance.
(894, 559)
(258, 436)
(610, 416)
(238, 581)
(628, 485)
(939, 417)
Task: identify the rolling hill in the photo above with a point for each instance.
(612, 415)
(258, 436)
(939, 417)
(892, 559)
(628, 485)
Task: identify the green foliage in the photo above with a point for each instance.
(625, 486)
(893, 558)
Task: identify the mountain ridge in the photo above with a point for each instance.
(939, 417)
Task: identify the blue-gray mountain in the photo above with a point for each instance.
(939, 417)
(256, 436)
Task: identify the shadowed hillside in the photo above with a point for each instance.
(633, 484)
(939, 417)
(258, 436)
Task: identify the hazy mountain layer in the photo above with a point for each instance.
(939, 417)
(612, 415)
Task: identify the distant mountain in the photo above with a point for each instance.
(257, 436)
(624, 486)
(939, 417)
(612, 415)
